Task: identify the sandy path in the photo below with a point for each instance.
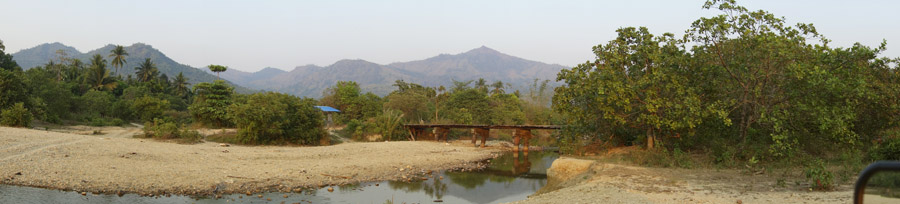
(112, 165)
(618, 183)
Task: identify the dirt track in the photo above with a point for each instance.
(113, 164)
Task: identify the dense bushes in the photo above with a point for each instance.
(15, 116)
(275, 118)
(162, 129)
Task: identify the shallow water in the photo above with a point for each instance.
(507, 178)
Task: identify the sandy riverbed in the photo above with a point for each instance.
(128, 165)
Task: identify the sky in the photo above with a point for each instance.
(251, 35)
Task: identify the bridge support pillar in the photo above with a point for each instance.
(484, 133)
(523, 136)
(440, 133)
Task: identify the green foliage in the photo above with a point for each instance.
(217, 69)
(147, 107)
(211, 103)
(98, 77)
(888, 148)
(162, 129)
(6, 60)
(15, 116)
(346, 96)
(818, 176)
(467, 106)
(147, 71)
(742, 85)
(12, 88)
(98, 103)
(275, 118)
(118, 54)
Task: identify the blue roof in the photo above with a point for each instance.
(328, 109)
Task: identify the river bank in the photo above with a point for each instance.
(592, 180)
(117, 165)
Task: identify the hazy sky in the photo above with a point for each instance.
(251, 35)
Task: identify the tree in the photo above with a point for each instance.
(146, 71)
(469, 106)
(217, 69)
(98, 77)
(98, 103)
(411, 99)
(12, 88)
(15, 116)
(347, 97)
(6, 60)
(211, 102)
(275, 118)
(118, 54)
(147, 108)
(180, 84)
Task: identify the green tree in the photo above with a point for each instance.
(146, 71)
(181, 86)
(217, 69)
(15, 116)
(12, 88)
(118, 54)
(98, 103)
(275, 118)
(468, 106)
(147, 108)
(347, 97)
(98, 77)
(211, 102)
(6, 60)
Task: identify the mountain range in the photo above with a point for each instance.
(441, 70)
(42, 54)
(312, 80)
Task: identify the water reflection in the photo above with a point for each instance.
(507, 178)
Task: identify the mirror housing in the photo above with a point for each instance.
(867, 173)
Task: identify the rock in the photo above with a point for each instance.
(224, 145)
(376, 184)
(83, 193)
(564, 169)
(18, 173)
(285, 196)
(330, 189)
(259, 196)
(268, 199)
(438, 201)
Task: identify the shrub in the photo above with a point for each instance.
(161, 129)
(276, 118)
(888, 149)
(818, 176)
(16, 116)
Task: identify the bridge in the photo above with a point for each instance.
(439, 132)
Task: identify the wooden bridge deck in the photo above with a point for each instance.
(522, 132)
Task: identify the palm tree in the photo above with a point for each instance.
(98, 77)
(146, 71)
(498, 88)
(217, 69)
(181, 85)
(118, 54)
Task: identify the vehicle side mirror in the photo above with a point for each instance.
(878, 183)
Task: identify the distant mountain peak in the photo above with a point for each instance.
(483, 50)
(270, 69)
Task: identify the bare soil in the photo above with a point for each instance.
(113, 162)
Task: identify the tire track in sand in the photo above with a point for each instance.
(31, 148)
